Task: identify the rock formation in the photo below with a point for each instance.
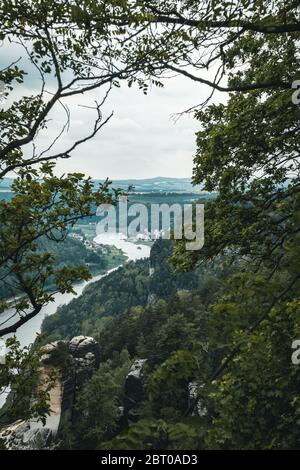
(193, 401)
(134, 390)
(75, 361)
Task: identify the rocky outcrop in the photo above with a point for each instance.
(194, 403)
(134, 390)
(20, 435)
(85, 352)
(82, 346)
(151, 299)
(75, 362)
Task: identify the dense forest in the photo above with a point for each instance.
(187, 331)
(99, 305)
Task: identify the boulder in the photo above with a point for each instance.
(134, 390)
(81, 345)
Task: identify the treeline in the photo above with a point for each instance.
(217, 341)
(131, 285)
(68, 252)
(100, 302)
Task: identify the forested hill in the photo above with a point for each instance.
(129, 286)
(99, 302)
(69, 252)
(177, 331)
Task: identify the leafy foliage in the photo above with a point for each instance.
(97, 410)
(68, 252)
(28, 397)
(230, 334)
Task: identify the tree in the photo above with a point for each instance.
(28, 393)
(193, 37)
(97, 411)
(248, 148)
(214, 35)
(70, 60)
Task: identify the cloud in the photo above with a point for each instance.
(141, 140)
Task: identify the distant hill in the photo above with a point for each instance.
(160, 183)
(6, 183)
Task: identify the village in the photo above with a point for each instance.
(85, 234)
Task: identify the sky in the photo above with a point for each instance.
(143, 139)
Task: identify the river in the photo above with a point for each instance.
(132, 250)
(26, 334)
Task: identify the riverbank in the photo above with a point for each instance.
(134, 250)
(27, 333)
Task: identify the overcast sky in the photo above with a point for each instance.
(142, 139)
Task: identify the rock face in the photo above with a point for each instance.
(20, 436)
(85, 352)
(151, 299)
(75, 361)
(198, 408)
(80, 346)
(134, 390)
